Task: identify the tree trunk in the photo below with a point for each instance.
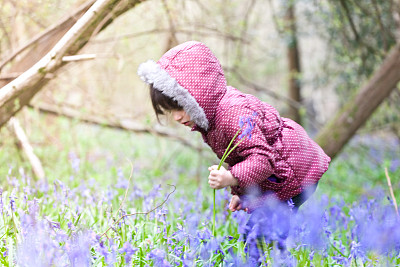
(293, 57)
(20, 91)
(334, 136)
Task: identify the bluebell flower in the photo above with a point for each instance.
(75, 161)
(78, 248)
(38, 248)
(129, 251)
(158, 257)
(242, 121)
(102, 249)
(235, 260)
(204, 234)
(161, 215)
(394, 164)
(12, 201)
(341, 260)
(209, 248)
(356, 251)
(241, 218)
(290, 204)
(250, 123)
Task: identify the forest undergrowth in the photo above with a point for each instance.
(112, 198)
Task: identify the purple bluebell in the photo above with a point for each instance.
(209, 248)
(103, 250)
(75, 161)
(38, 248)
(12, 201)
(394, 164)
(341, 260)
(158, 256)
(356, 252)
(78, 249)
(242, 121)
(161, 215)
(204, 234)
(129, 251)
(250, 123)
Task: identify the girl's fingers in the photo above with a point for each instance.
(213, 167)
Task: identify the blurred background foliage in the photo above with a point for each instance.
(341, 43)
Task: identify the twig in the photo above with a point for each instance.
(350, 20)
(127, 188)
(391, 191)
(140, 213)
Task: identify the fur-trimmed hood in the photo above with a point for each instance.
(190, 74)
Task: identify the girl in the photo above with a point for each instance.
(280, 160)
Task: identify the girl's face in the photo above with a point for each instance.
(182, 117)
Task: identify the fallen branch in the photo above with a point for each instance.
(27, 148)
(111, 122)
(391, 191)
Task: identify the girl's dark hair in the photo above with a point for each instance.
(162, 103)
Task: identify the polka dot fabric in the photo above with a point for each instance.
(278, 146)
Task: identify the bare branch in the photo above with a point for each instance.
(349, 18)
(243, 34)
(172, 39)
(140, 213)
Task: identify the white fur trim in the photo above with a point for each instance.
(151, 73)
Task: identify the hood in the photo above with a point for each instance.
(190, 74)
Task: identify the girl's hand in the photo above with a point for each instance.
(220, 178)
(235, 204)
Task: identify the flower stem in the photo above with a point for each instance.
(224, 156)
(214, 213)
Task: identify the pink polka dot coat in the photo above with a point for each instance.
(192, 75)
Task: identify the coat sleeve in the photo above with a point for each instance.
(254, 157)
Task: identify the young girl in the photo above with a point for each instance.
(279, 160)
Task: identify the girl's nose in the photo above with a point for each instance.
(177, 115)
